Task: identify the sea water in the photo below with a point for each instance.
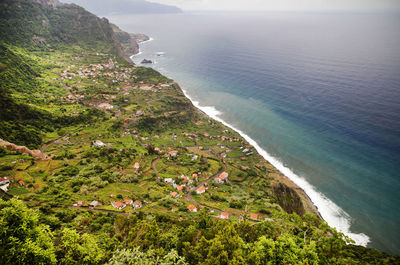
(318, 94)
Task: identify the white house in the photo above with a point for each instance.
(99, 143)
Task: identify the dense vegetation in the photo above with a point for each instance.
(63, 236)
(116, 132)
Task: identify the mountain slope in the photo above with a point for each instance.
(105, 7)
(50, 25)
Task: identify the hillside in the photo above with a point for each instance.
(106, 7)
(104, 162)
(48, 25)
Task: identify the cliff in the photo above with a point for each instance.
(49, 25)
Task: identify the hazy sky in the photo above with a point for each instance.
(284, 4)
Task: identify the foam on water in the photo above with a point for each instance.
(140, 52)
(330, 212)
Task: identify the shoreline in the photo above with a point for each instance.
(139, 51)
(325, 208)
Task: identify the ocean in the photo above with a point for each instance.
(318, 94)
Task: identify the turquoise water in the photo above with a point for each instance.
(318, 93)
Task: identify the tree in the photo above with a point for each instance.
(23, 239)
(137, 257)
(79, 249)
(285, 250)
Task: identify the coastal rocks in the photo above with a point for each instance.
(145, 61)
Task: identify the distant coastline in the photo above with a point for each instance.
(311, 198)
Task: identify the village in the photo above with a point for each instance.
(120, 163)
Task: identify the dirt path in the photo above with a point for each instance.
(59, 138)
(153, 166)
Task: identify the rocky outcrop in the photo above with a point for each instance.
(23, 150)
(145, 61)
(129, 42)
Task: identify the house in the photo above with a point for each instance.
(221, 178)
(187, 180)
(173, 153)
(136, 166)
(169, 180)
(224, 215)
(254, 216)
(224, 176)
(137, 205)
(99, 143)
(180, 188)
(218, 180)
(128, 202)
(80, 203)
(174, 194)
(201, 190)
(118, 205)
(4, 187)
(94, 204)
(4, 181)
(105, 106)
(192, 208)
(21, 182)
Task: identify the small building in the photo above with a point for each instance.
(4, 181)
(137, 205)
(218, 180)
(224, 215)
(94, 204)
(136, 166)
(173, 153)
(105, 106)
(128, 202)
(192, 208)
(201, 190)
(21, 182)
(180, 188)
(169, 180)
(98, 143)
(80, 203)
(224, 176)
(118, 205)
(254, 216)
(4, 187)
(221, 178)
(174, 194)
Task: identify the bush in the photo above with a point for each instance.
(236, 204)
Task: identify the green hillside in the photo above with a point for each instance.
(133, 172)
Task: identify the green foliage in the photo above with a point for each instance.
(23, 239)
(136, 257)
(43, 27)
(288, 199)
(79, 249)
(149, 75)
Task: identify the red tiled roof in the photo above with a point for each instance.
(225, 214)
(128, 201)
(191, 207)
(223, 175)
(201, 189)
(118, 204)
(254, 216)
